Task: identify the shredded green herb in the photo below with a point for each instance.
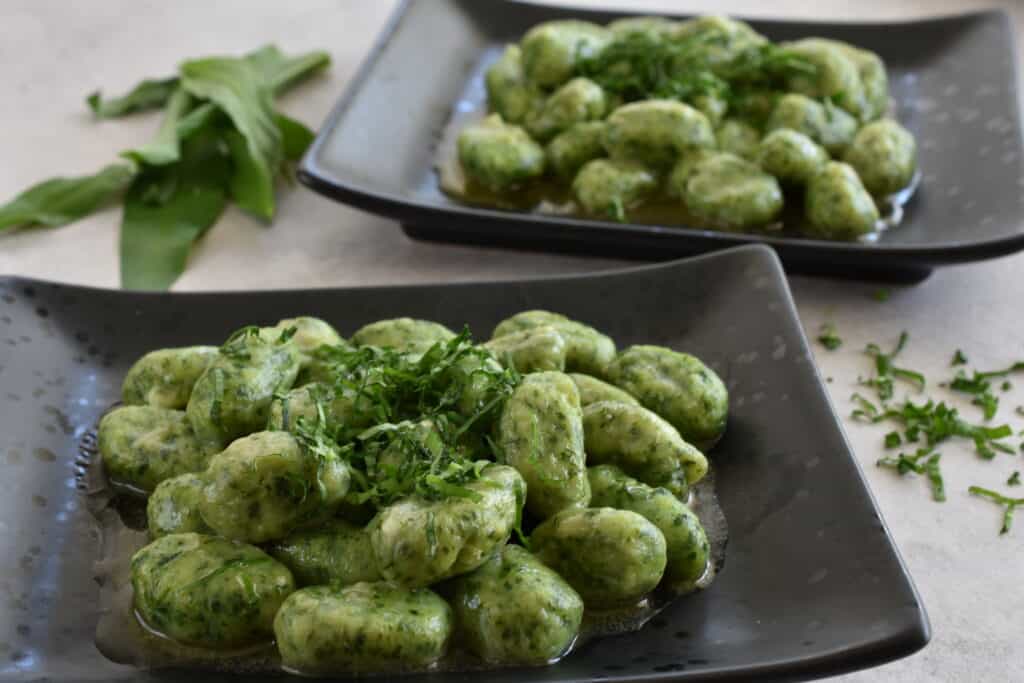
(978, 385)
(904, 463)
(959, 358)
(886, 371)
(829, 338)
(1014, 479)
(892, 440)
(1009, 504)
(882, 295)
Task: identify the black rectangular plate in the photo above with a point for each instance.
(812, 584)
(953, 81)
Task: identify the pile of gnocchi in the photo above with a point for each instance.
(704, 118)
(378, 503)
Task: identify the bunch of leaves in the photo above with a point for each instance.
(1009, 504)
(886, 371)
(935, 423)
(640, 66)
(979, 386)
(904, 463)
(220, 139)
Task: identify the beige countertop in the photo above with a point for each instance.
(52, 53)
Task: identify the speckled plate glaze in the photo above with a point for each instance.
(812, 583)
(953, 82)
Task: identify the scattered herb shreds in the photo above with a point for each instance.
(959, 358)
(978, 385)
(893, 440)
(924, 461)
(829, 338)
(886, 371)
(1009, 504)
(1014, 479)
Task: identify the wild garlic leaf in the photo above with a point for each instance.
(167, 208)
(236, 87)
(166, 147)
(295, 137)
(59, 201)
(149, 94)
(281, 72)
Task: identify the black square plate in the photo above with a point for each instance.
(812, 584)
(953, 81)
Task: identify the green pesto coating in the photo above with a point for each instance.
(593, 390)
(514, 610)
(611, 557)
(173, 507)
(507, 90)
(678, 387)
(834, 75)
(571, 149)
(607, 187)
(363, 628)
(649, 26)
(722, 39)
(232, 397)
(343, 407)
(141, 446)
(402, 334)
(208, 591)
(499, 156)
(551, 50)
(686, 542)
(265, 485)
(418, 542)
(643, 444)
(541, 435)
(829, 126)
(738, 137)
(164, 378)
(310, 334)
(684, 169)
(656, 132)
(577, 101)
(837, 204)
(337, 552)
(884, 155)
(537, 349)
(731, 193)
(587, 349)
(790, 156)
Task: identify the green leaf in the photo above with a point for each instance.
(295, 136)
(168, 208)
(235, 86)
(165, 148)
(281, 72)
(149, 94)
(59, 201)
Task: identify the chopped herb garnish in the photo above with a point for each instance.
(829, 338)
(1010, 504)
(959, 358)
(887, 371)
(892, 440)
(904, 463)
(882, 295)
(1006, 386)
(978, 385)
(1014, 479)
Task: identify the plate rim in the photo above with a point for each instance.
(311, 173)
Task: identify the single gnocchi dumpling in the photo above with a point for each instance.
(515, 610)
(587, 350)
(538, 349)
(208, 591)
(828, 125)
(610, 557)
(337, 552)
(570, 150)
(884, 155)
(232, 397)
(552, 50)
(678, 387)
(173, 507)
(507, 90)
(651, 27)
(578, 101)
(407, 335)
(727, 192)
(540, 434)
(790, 156)
(686, 543)
(593, 390)
(605, 187)
(310, 334)
(656, 132)
(643, 444)
(164, 378)
(362, 628)
(720, 39)
(738, 137)
(265, 485)
(499, 156)
(684, 169)
(834, 75)
(342, 407)
(418, 542)
(142, 446)
(873, 77)
(837, 204)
